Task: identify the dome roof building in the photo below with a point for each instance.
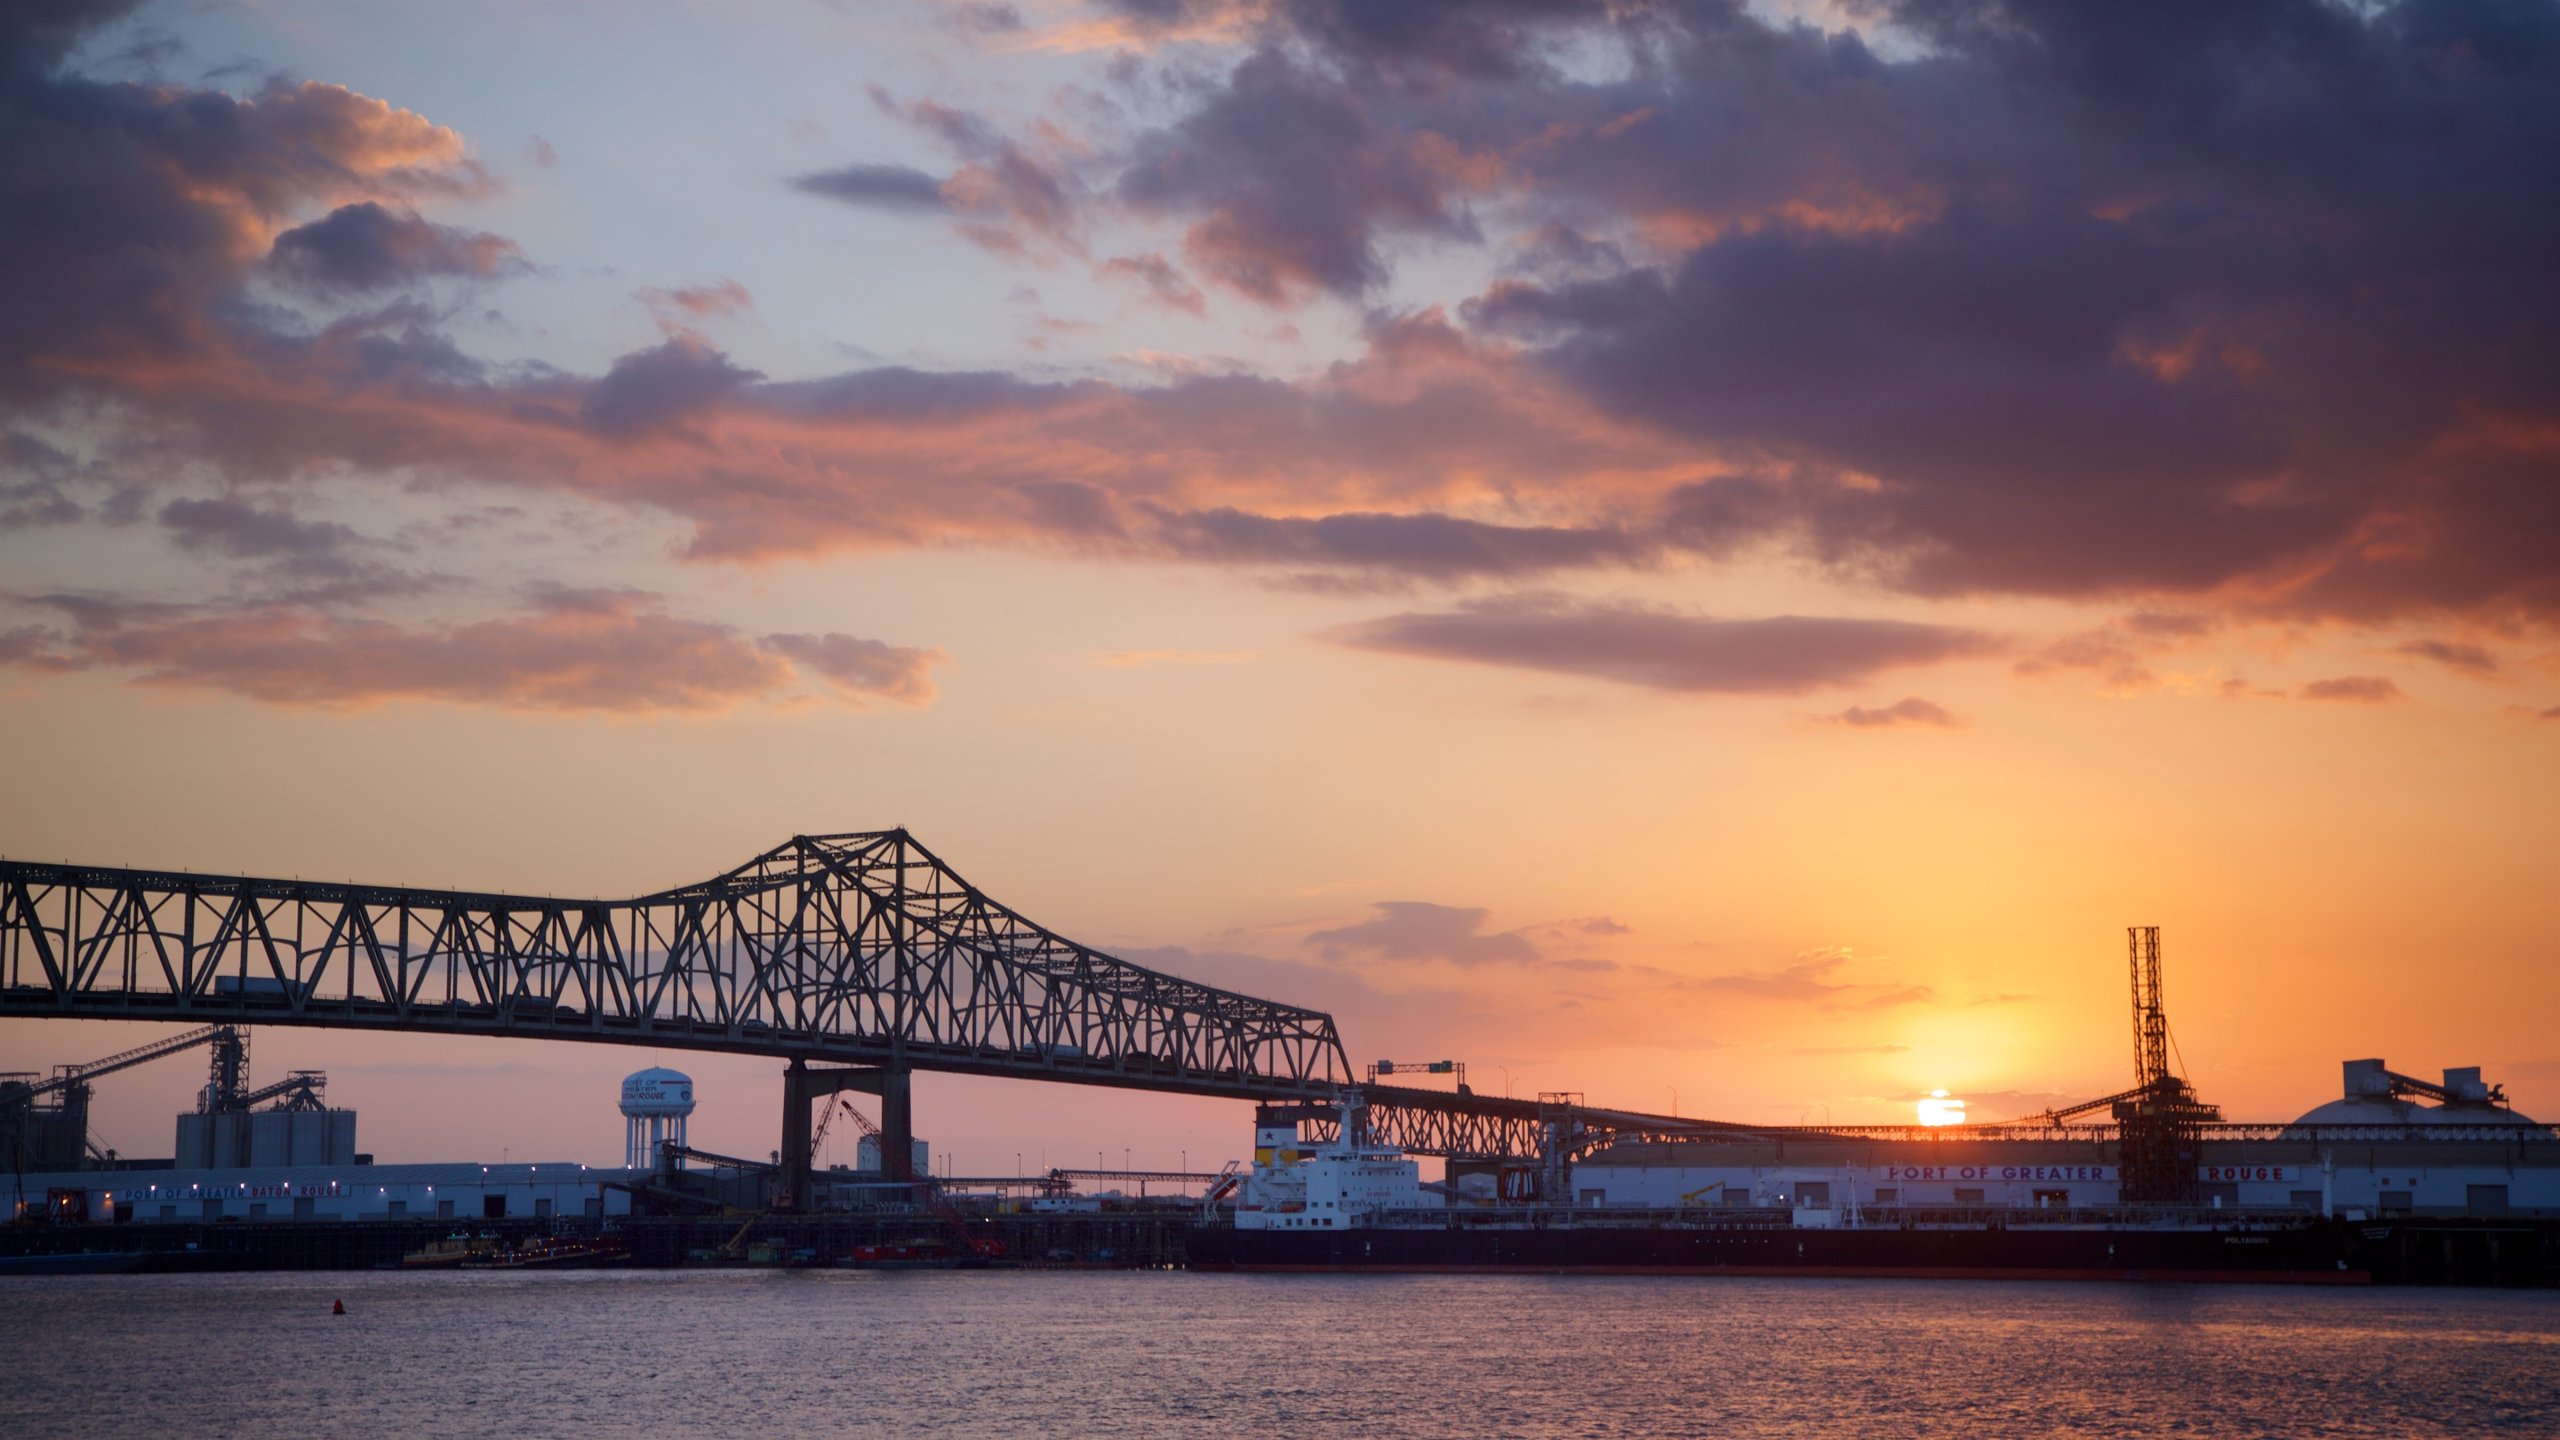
(2375, 1095)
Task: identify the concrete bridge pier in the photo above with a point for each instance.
(803, 1086)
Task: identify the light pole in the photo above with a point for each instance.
(1675, 1100)
(1506, 1080)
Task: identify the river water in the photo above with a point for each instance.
(790, 1353)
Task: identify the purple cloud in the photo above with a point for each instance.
(2102, 312)
(2354, 690)
(901, 674)
(1292, 178)
(1416, 930)
(237, 528)
(878, 187)
(658, 389)
(1165, 284)
(2055, 303)
(570, 650)
(1662, 650)
(368, 247)
(1910, 710)
(2469, 659)
(1439, 547)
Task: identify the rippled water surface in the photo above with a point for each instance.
(1163, 1353)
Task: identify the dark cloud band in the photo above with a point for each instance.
(1690, 654)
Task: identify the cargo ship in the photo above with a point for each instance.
(1342, 1205)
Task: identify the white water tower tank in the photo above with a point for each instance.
(655, 1103)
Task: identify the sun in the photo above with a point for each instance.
(1937, 1108)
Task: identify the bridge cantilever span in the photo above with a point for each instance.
(862, 948)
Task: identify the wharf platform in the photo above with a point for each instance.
(2517, 1253)
(1108, 1239)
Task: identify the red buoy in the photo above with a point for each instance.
(337, 1307)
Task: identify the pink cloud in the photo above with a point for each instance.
(2354, 690)
(1812, 979)
(1910, 710)
(573, 651)
(1664, 650)
(2001, 392)
(1415, 930)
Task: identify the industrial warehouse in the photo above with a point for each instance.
(2391, 1145)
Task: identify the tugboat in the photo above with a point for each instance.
(450, 1251)
(552, 1252)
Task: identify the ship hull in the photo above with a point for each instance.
(2318, 1254)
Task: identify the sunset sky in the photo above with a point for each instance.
(1709, 555)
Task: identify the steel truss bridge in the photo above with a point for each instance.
(864, 950)
(859, 948)
(857, 958)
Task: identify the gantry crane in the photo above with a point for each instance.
(57, 1138)
(2160, 1125)
(2159, 1122)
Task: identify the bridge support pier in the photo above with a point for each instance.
(898, 1126)
(803, 1086)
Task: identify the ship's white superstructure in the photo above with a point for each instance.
(1297, 1185)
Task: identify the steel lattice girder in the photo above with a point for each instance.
(860, 947)
(1486, 1127)
(1432, 1122)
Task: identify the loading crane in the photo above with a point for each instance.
(66, 1077)
(2159, 1122)
(56, 1136)
(818, 1137)
(299, 1091)
(2397, 1086)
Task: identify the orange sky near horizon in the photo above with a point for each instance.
(1807, 920)
(1712, 560)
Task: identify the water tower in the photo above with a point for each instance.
(655, 1103)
